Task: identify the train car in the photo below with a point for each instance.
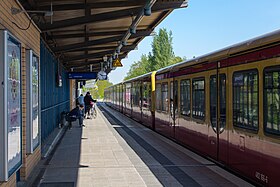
(226, 106)
(137, 98)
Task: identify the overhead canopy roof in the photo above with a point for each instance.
(82, 32)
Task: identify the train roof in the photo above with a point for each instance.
(132, 79)
(139, 77)
(271, 38)
(233, 50)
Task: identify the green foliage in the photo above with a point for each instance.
(162, 55)
(138, 68)
(97, 92)
(94, 93)
(162, 50)
(100, 86)
(84, 89)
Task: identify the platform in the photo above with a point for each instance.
(113, 150)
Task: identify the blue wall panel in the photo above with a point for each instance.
(54, 99)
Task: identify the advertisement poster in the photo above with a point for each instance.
(14, 105)
(35, 102)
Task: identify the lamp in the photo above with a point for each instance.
(132, 30)
(15, 11)
(114, 55)
(147, 11)
(124, 43)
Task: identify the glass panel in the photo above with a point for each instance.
(158, 96)
(245, 102)
(133, 94)
(171, 101)
(128, 95)
(185, 92)
(272, 100)
(35, 101)
(146, 95)
(117, 94)
(222, 101)
(137, 95)
(164, 97)
(14, 105)
(173, 98)
(213, 101)
(198, 99)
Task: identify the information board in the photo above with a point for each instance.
(82, 75)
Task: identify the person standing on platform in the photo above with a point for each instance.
(88, 103)
(81, 102)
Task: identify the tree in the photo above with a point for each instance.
(97, 91)
(138, 68)
(161, 56)
(94, 93)
(162, 50)
(101, 85)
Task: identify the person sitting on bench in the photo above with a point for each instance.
(76, 113)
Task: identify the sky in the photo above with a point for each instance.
(209, 25)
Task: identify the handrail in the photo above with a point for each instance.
(51, 107)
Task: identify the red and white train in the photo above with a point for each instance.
(224, 105)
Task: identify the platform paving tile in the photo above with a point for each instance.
(177, 156)
(128, 154)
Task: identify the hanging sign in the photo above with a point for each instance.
(117, 63)
(82, 75)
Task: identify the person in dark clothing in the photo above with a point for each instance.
(88, 102)
(76, 113)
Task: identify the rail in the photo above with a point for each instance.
(54, 106)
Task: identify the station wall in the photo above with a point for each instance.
(55, 92)
(28, 39)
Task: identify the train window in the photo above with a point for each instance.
(173, 98)
(272, 100)
(245, 99)
(139, 94)
(164, 98)
(135, 94)
(158, 96)
(124, 94)
(222, 100)
(185, 100)
(146, 92)
(198, 98)
(117, 95)
(128, 95)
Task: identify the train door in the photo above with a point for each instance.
(173, 106)
(218, 117)
(121, 97)
(140, 84)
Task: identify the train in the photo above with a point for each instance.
(225, 105)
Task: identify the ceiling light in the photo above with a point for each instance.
(147, 11)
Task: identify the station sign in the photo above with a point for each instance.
(82, 75)
(117, 63)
